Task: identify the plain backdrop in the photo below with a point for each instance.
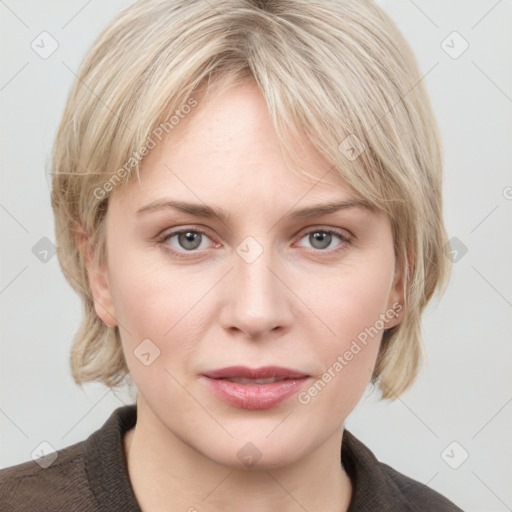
(451, 430)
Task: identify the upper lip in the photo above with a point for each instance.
(263, 372)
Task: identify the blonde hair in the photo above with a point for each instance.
(337, 70)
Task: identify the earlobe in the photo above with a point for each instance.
(97, 274)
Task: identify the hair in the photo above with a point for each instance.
(338, 71)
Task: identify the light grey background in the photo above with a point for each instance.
(464, 394)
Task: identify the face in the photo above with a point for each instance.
(255, 286)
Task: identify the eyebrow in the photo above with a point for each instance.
(203, 210)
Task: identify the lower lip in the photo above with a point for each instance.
(255, 396)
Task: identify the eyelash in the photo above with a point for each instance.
(163, 240)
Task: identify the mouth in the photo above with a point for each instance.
(242, 380)
(262, 373)
(254, 388)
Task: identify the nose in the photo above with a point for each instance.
(258, 302)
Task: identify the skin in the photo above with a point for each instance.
(300, 304)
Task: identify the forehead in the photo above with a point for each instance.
(228, 141)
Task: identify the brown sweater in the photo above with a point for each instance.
(91, 476)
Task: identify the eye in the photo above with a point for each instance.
(179, 242)
(322, 239)
(187, 240)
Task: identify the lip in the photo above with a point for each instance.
(254, 396)
(263, 372)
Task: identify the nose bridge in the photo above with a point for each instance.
(258, 301)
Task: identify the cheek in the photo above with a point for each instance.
(138, 299)
(352, 307)
(351, 299)
(156, 302)
(145, 301)
(149, 310)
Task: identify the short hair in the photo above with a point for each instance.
(338, 71)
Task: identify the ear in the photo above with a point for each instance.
(98, 278)
(396, 301)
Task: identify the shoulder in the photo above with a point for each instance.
(53, 482)
(418, 496)
(377, 486)
(89, 476)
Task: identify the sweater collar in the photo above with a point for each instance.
(105, 462)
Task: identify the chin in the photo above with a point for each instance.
(252, 452)
(249, 457)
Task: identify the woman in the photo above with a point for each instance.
(247, 198)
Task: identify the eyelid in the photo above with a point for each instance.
(344, 234)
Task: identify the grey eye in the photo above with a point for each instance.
(189, 239)
(320, 239)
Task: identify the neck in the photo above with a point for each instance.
(168, 475)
